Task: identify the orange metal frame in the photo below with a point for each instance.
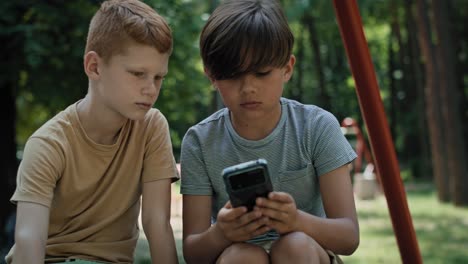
(349, 22)
(362, 150)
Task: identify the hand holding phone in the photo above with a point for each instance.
(247, 181)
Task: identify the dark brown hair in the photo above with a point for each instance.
(119, 22)
(245, 36)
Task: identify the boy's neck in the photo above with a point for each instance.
(99, 124)
(256, 129)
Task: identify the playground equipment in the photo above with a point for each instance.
(350, 127)
(350, 25)
(366, 182)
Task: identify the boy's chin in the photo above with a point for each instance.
(137, 117)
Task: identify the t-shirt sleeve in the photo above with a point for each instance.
(38, 173)
(332, 150)
(194, 179)
(159, 162)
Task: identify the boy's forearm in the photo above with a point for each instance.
(339, 235)
(29, 250)
(161, 242)
(27, 257)
(31, 230)
(205, 247)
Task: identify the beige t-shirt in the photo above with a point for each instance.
(93, 190)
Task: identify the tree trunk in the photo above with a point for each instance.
(323, 97)
(398, 85)
(460, 39)
(456, 156)
(437, 143)
(408, 104)
(393, 89)
(416, 92)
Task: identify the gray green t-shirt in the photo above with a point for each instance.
(306, 143)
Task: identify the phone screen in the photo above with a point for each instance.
(248, 178)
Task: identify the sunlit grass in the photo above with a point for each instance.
(441, 229)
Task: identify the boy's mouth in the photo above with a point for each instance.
(250, 105)
(144, 106)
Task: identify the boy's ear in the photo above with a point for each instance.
(212, 80)
(208, 74)
(289, 68)
(91, 64)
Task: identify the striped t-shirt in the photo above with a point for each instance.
(306, 143)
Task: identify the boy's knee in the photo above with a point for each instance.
(298, 246)
(243, 253)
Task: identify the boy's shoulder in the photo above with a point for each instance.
(57, 125)
(307, 117)
(307, 110)
(154, 117)
(51, 140)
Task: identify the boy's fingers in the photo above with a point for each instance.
(260, 231)
(272, 204)
(228, 213)
(280, 197)
(235, 213)
(253, 226)
(251, 216)
(244, 227)
(273, 214)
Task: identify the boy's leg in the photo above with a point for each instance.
(243, 253)
(297, 247)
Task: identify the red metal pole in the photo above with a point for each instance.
(349, 21)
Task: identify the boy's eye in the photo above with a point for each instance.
(159, 78)
(262, 74)
(137, 74)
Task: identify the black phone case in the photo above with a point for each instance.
(247, 194)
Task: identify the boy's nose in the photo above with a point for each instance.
(152, 89)
(248, 84)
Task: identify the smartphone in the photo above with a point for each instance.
(246, 181)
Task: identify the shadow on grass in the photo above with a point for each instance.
(442, 238)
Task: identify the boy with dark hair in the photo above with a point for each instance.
(84, 172)
(246, 47)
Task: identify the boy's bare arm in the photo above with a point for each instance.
(340, 230)
(202, 242)
(156, 214)
(32, 223)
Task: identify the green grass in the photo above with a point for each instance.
(441, 229)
